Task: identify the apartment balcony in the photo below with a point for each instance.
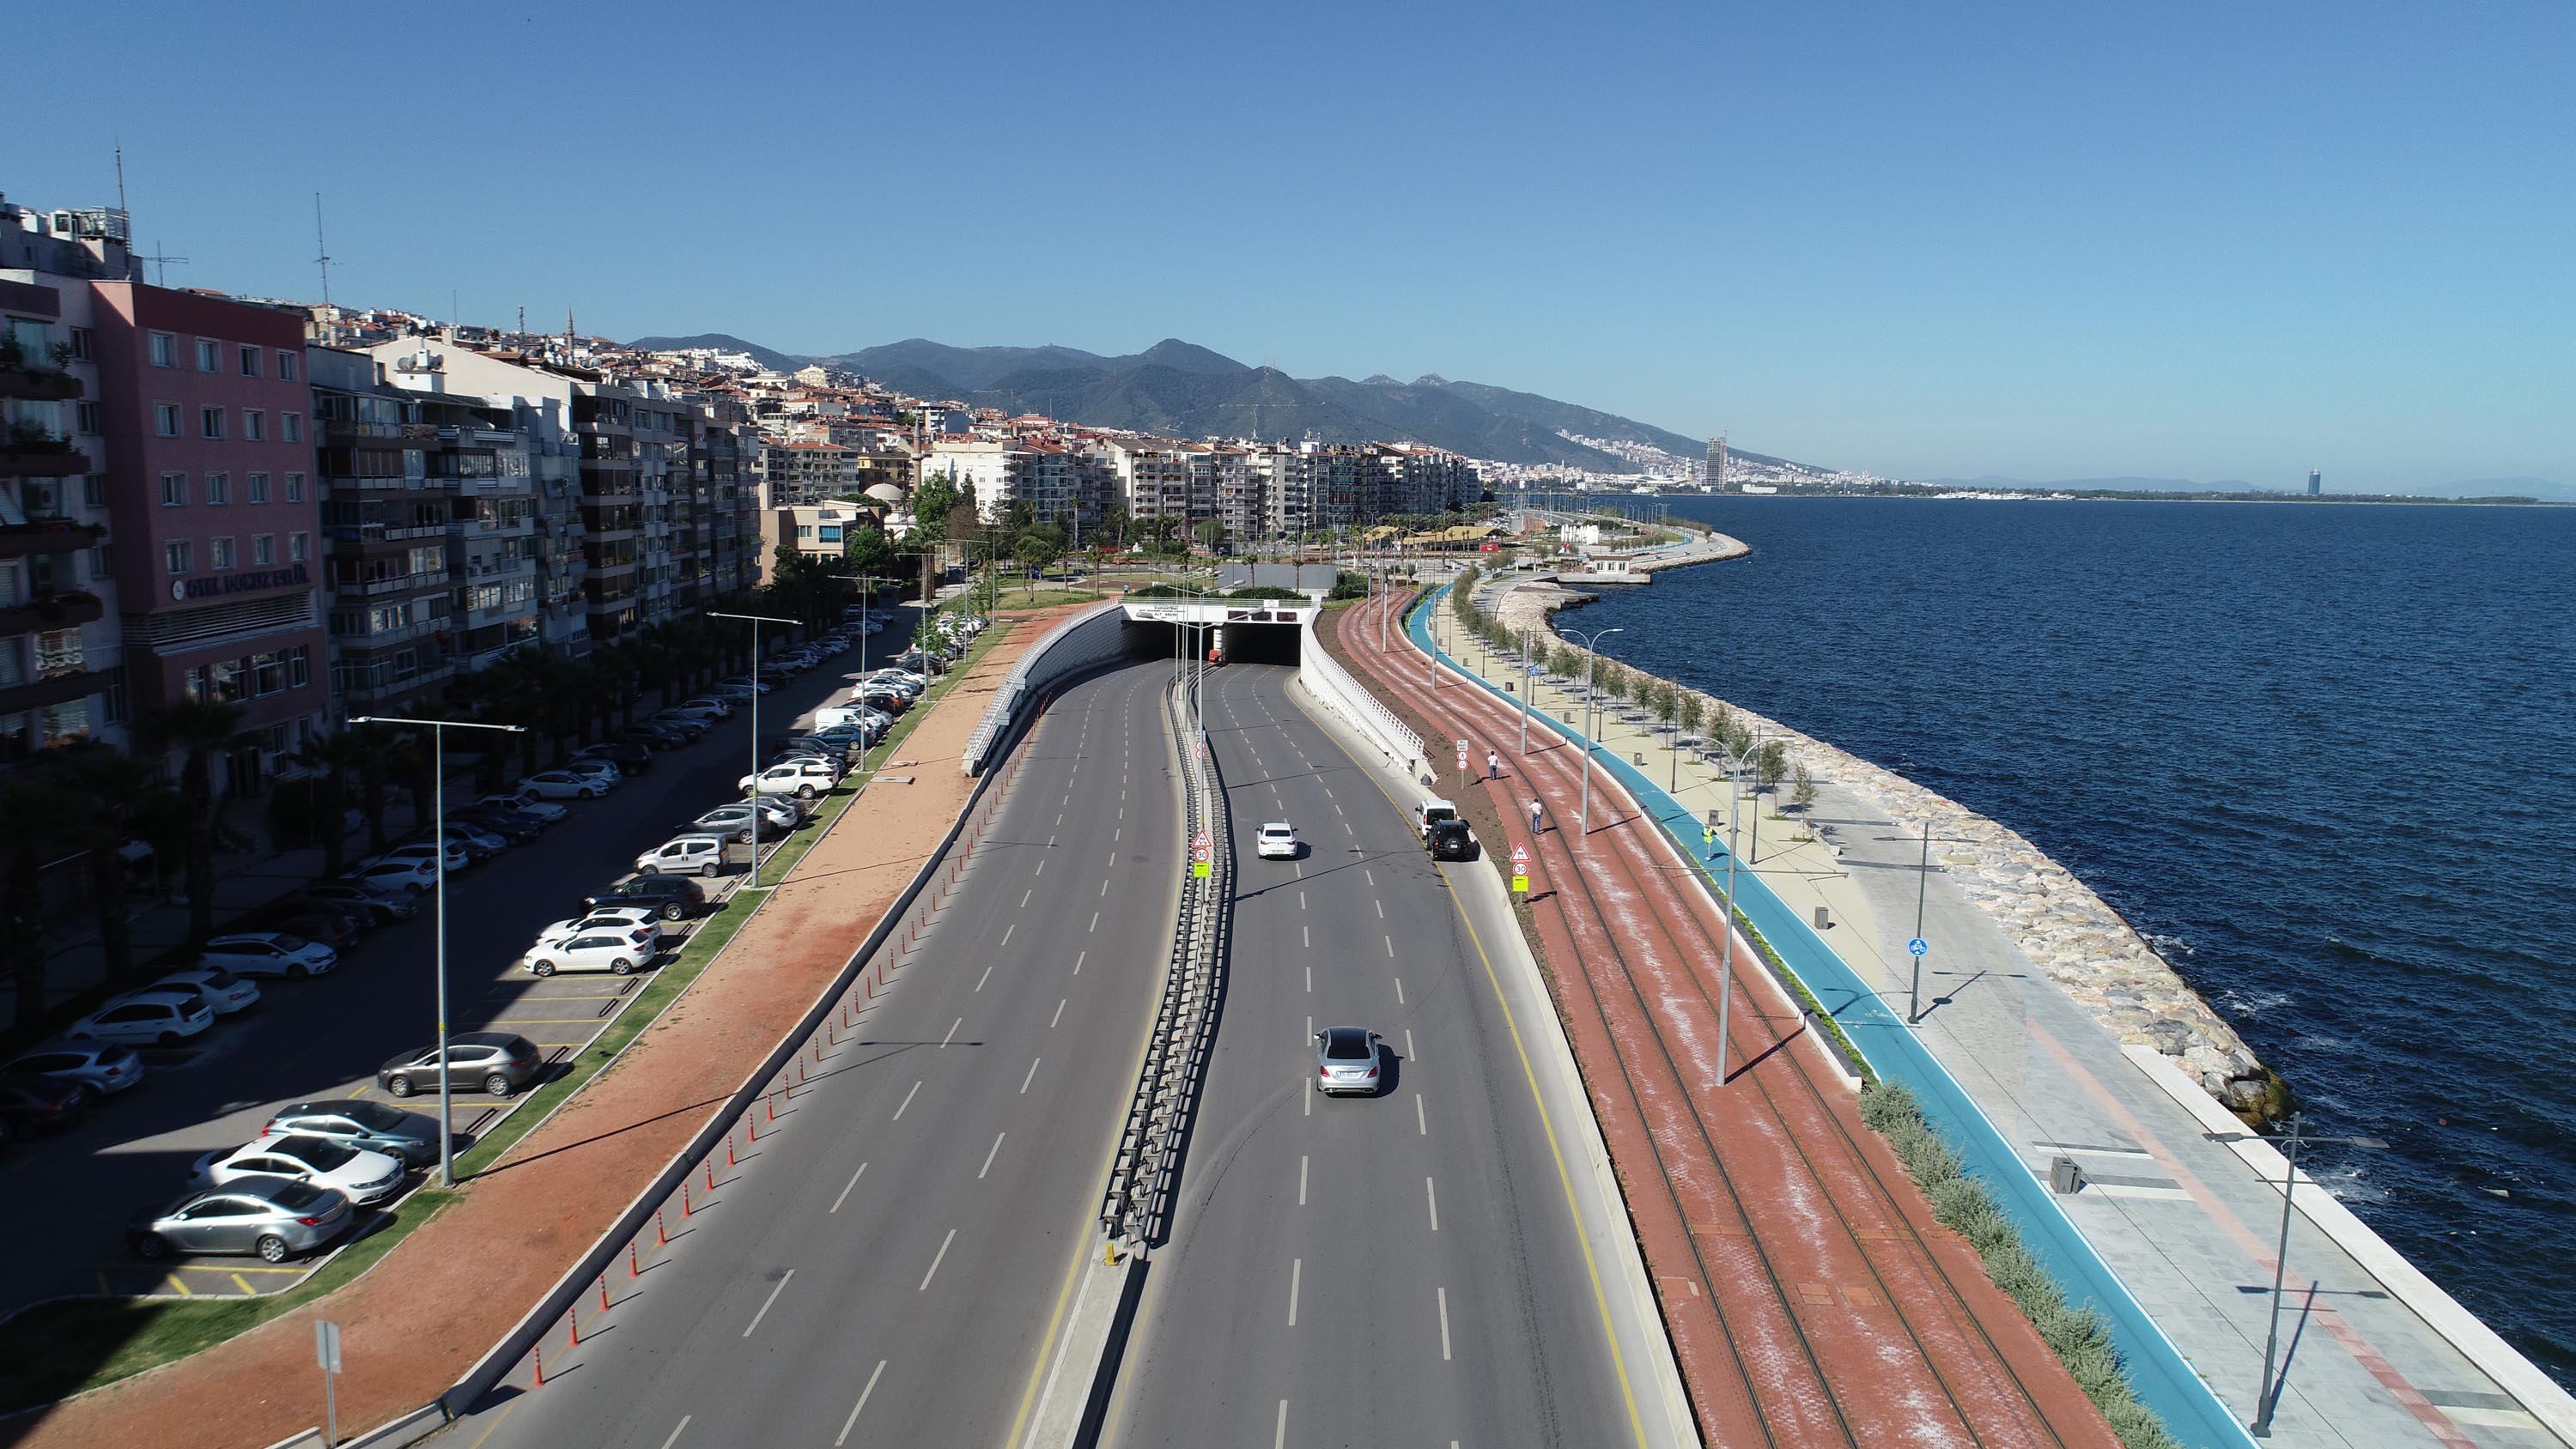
(360, 535)
(32, 457)
(43, 384)
(65, 610)
(46, 535)
(397, 483)
(55, 689)
(380, 687)
(398, 584)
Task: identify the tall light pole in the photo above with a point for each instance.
(2262, 1425)
(1529, 686)
(756, 620)
(1584, 820)
(438, 729)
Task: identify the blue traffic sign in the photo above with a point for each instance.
(1916, 946)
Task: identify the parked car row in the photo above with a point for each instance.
(295, 1187)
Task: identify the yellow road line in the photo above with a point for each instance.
(1048, 1345)
(497, 1420)
(244, 1284)
(184, 1290)
(1547, 1125)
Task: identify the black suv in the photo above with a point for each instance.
(674, 896)
(1450, 840)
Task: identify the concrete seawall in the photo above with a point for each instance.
(2101, 962)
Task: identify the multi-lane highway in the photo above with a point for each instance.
(1403, 1269)
(888, 1265)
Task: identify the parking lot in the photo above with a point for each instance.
(325, 1037)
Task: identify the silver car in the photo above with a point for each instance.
(270, 1216)
(1346, 1060)
(100, 1067)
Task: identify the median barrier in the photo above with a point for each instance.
(2163, 1379)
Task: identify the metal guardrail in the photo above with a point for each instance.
(1330, 682)
(1043, 663)
(1137, 1207)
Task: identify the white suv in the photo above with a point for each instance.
(159, 1018)
(804, 778)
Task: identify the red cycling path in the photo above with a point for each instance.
(1810, 1295)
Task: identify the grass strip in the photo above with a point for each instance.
(2078, 1336)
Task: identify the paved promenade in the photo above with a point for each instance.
(2189, 1223)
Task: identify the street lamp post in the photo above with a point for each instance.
(1529, 686)
(1584, 819)
(2262, 1425)
(438, 729)
(753, 805)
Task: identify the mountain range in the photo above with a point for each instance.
(1180, 389)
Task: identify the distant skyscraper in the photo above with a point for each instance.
(2316, 482)
(1717, 465)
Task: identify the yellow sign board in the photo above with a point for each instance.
(1199, 868)
(1520, 884)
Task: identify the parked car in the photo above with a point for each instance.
(617, 952)
(805, 778)
(268, 953)
(510, 825)
(352, 1122)
(458, 857)
(393, 879)
(630, 919)
(1346, 1060)
(749, 683)
(222, 991)
(628, 756)
(480, 844)
(102, 1068)
(689, 726)
(523, 802)
(329, 927)
(736, 694)
(30, 1104)
(359, 1175)
(161, 1018)
(675, 896)
(342, 895)
(686, 855)
(660, 736)
(1429, 811)
(851, 736)
(733, 822)
(497, 1061)
(1277, 840)
(566, 785)
(268, 1216)
(834, 760)
(595, 767)
(721, 707)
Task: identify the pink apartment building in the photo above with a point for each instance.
(203, 407)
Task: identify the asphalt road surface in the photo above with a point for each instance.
(1392, 1270)
(886, 1268)
(327, 1036)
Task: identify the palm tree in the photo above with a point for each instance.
(372, 750)
(201, 729)
(112, 788)
(330, 755)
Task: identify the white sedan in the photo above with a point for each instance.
(398, 879)
(359, 1175)
(221, 990)
(607, 918)
(1276, 841)
(525, 804)
(268, 953)
(615, 952)
(566, 785)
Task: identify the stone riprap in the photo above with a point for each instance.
(2098, 959)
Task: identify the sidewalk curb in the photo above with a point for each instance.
(1104, 1313)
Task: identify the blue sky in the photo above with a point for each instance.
(2046, 240)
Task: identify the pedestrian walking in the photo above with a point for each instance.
(1534, 825)
(1493, 765)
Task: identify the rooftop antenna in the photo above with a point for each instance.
(523, 319)
(161, 263)
(120, 179)
(323, 260)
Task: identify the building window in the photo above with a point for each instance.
(209, 356)
(219, 488)
(115, 707)
(250, 361)
(94, 491)
(100, 566)
(210, 423)
(268, 673)
(299, 547)
(58, 652)
(286, 366)
(257, 484)
(263, 550)
(294, 487)
(220, 553)
(165, 350)
(229, 683)
(290, 426)
(82, 346)
(254, 425)
(299, 660)
(165, 419)
(174, 490)
(86, 417)
(175, 556)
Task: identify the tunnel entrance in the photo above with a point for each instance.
(1244, 643)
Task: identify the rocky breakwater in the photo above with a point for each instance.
(2098, 959)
